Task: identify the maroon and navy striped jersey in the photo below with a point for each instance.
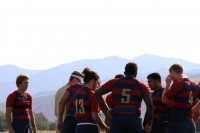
(127, 94)
(160, 109)
(85, 103)
(72, 90)
(183, 93)
(20, 104)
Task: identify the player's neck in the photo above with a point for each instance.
(159, 87)
(21, 91)
(88, 85)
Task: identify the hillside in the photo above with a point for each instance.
(51, 79)
(45, 104)
(44, 83)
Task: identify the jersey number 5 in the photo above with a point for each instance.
(126, 96)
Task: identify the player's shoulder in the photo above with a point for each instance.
(181, 81)
(113, 80)
(28, 95)
(143, 84)
(13, 94)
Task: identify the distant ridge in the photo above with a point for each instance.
(53, 78)
(44, 83)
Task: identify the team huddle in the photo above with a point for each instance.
(78, 104)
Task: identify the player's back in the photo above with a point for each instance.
(184, 101)
(127, 96)
(82, 102)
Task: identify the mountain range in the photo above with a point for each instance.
(44, 83)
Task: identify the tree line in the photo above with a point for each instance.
(41, 120)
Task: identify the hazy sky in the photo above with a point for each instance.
(40, 34)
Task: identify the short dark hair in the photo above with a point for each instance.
(131, 69)
(89, 75)
(119, 76)
(178, 68)
(21, 78)
(154, 76)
